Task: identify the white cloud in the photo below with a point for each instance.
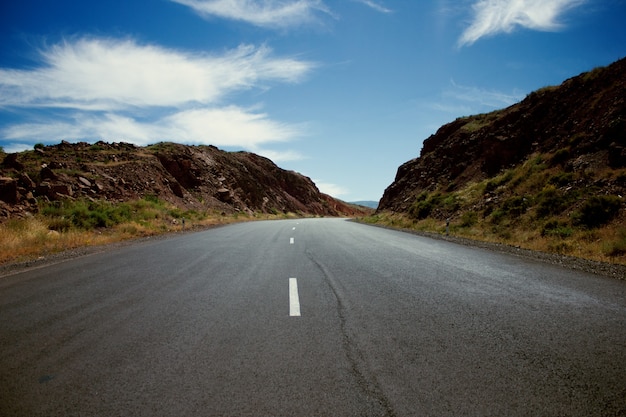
(330, 188)
(279, 156)
(498, 16)
(17, 147)
(375, 6)
(264, 13)
(106, 74)
(479, 97)
(119, 90)
(228, 126)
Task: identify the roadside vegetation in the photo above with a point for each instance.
(538, 205)
(68, 224)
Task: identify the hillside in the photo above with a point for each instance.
(65, 196)
(187, 177)
(546, 173)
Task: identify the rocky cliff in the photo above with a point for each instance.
(189, 177)
(580, 126)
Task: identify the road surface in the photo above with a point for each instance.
(312, 317)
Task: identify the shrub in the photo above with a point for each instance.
(469, 219)
(85, 214)
(560, 156)
(598, 210)
(550, 201)
(515, 206)
(497, 215)
(494, 183)
(562, 179)
(557, 229)
(152, 199)
(59, 224)
(422, 206)
(616, 247)
(39, 146)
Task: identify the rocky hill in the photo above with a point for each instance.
(551, 166)
(188, 177)
(581, 124)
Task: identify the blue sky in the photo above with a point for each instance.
(342, 91)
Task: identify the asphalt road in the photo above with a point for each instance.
(315, 317)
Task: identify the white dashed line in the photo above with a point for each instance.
(291, 240)
(294, 299)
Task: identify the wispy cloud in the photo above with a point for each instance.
(479, 98)
(264, 13)
(279, 156)
(330, 188)
(120, 90)
(503, 16)
(376, 6)
(107, 74)
(461, 100)
(228, 126)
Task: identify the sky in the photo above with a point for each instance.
(342, 91)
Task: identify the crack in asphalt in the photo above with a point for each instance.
(365, 379)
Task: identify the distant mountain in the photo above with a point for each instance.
(366, 203)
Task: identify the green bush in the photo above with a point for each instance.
(494, 183)
(497, 215)
(469, 219)
(616, 247)
(598, 210)
(557, 229)
(560, 156)
(515, 206)
(59, 224)
(562, 179)
(85, 214)
(422, 206)
(550, 201)
(425, 203)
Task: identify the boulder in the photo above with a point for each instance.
(10, 161)
(8, 190)
(46, 173)
(26, 182)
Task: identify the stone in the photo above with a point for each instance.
(8, 190)
(84, 181)
(46, 173)
(26, 182)
(10, 161)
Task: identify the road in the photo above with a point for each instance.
(311, 317)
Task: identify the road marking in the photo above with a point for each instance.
(294, 299)
(291, 241)
(293, 228)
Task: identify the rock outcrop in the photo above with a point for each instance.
(581, 124)
(189, 177)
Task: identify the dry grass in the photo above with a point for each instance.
(537, 205)
(41, 235)
(30, 238)
(606, 244)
